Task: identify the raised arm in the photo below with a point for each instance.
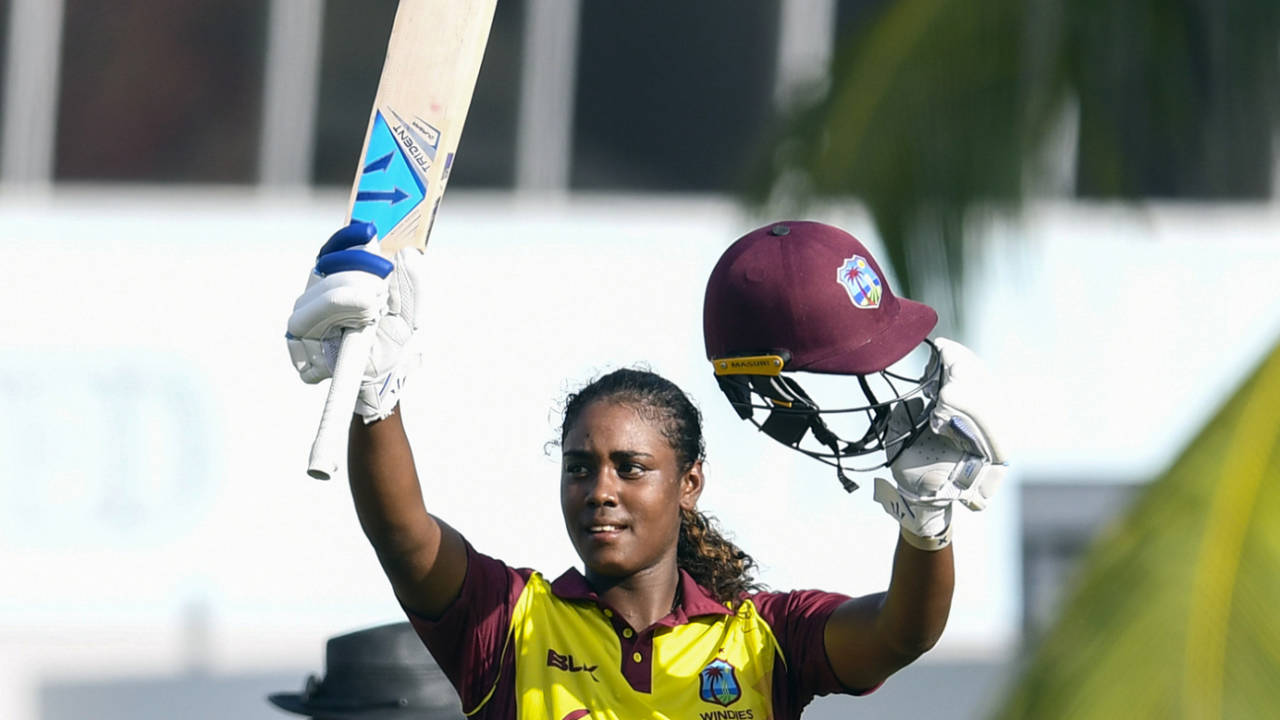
(871, 637)
(425, 559)
(350, 287)
(956, 459)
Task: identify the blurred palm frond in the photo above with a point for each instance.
(1174, 613)
(941, 113)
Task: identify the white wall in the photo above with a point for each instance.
(155, 514)
(1120, 330)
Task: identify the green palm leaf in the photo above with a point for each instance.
(1176, 612)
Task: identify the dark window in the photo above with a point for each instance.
(355, 43)
(157, 91)
(4, 49)
(487, 153)
(1179, 102)
(672, 95)
(854, 16)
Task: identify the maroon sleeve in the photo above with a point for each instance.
(468, 638)
(799, 621)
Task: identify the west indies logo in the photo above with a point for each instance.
(861, 282)
(718, 683)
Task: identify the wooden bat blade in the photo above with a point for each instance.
(433, 59)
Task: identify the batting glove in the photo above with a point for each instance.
(352, 286)
(956, 458)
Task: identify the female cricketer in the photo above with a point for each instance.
(664, 619)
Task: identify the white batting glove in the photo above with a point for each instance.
(956, 458)
(351, 286)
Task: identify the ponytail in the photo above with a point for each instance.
(710, 559)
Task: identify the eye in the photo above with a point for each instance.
(575, 469)
(630, 470)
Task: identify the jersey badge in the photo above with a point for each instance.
(718, 683)
(861, 282)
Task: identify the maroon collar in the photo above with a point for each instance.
(694, 599)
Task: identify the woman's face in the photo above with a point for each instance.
(622, 489)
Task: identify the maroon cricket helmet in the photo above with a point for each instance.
(813, 291)
(805, 296)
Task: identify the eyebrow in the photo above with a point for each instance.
(616, 455)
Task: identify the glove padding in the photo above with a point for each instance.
(964, 415)
(351, 287)
(956, 458)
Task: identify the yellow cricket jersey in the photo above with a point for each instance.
(518, 647)
(569, 663)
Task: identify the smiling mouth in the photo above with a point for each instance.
(604, 532)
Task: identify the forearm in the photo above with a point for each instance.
(384, 487)
(915, 609)
(424, 559)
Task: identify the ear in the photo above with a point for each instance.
(691, 486)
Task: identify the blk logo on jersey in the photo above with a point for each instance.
(566, 663)
(861, 282)
(718, 683)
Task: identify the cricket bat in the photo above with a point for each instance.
(433, 58)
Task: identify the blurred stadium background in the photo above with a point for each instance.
(168, 169)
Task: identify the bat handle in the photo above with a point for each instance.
(348, 371)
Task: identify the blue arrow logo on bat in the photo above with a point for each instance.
(381, 163)
(390, 187)
(391, 196)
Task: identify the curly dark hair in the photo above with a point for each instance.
(710, 559)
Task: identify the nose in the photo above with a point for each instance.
(603, 491)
